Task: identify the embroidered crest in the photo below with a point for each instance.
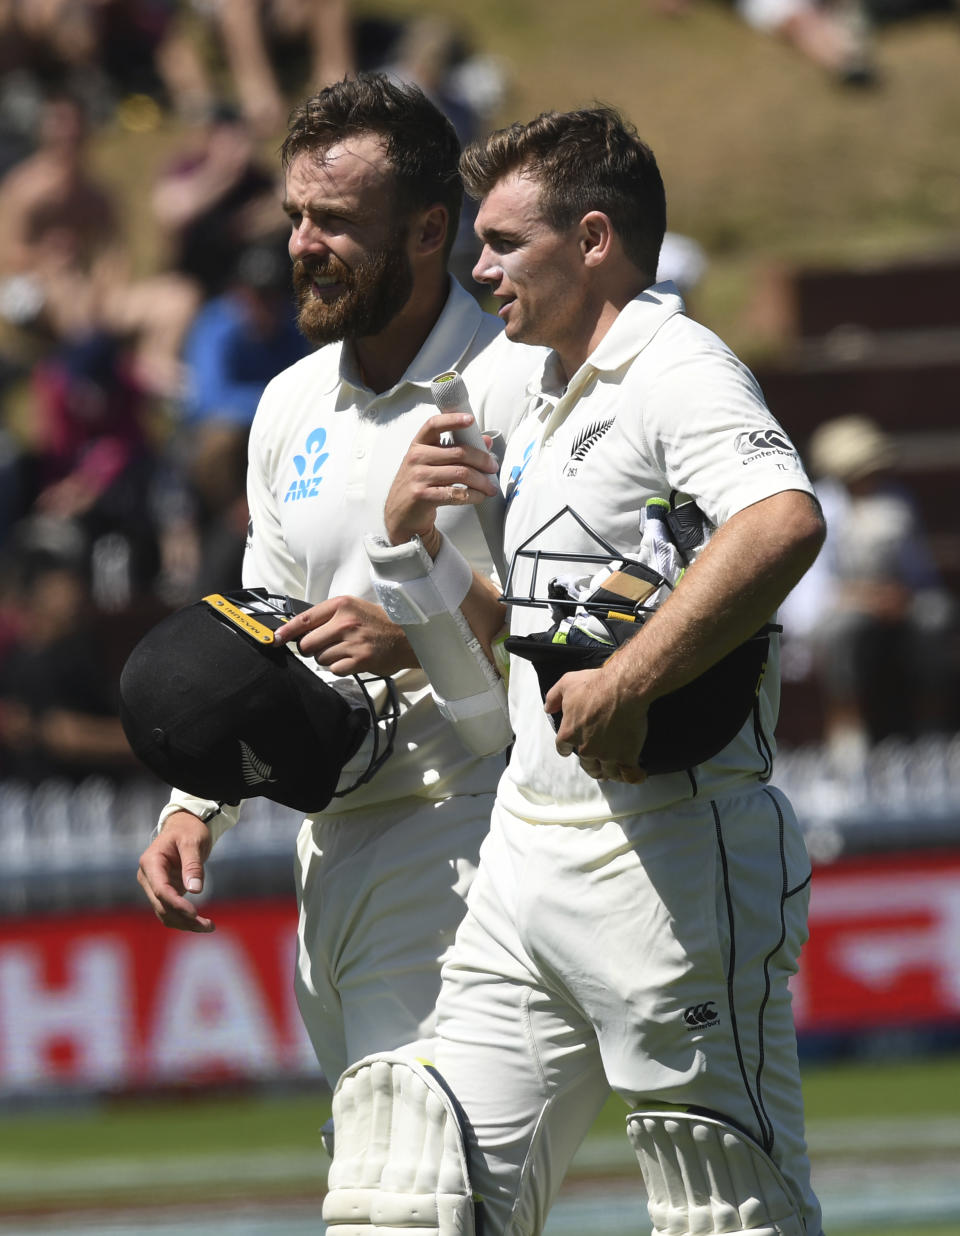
(586, 439)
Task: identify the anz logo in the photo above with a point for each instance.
(308, 466)
(516, 474)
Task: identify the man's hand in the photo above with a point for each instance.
(738, 581)
(349, 636)
(433, 475)
(171, 866)
(603, 725)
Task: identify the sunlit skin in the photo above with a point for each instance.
(555, 289)
(343, 219)
(336, 206)
(350, 270)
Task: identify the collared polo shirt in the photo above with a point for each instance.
(660, 406)
(324, 450)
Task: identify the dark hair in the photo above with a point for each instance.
(420, 142)
(591, 159)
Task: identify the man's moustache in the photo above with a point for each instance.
(308, 271)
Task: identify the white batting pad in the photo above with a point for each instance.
(705, 1178)
(400, 1162)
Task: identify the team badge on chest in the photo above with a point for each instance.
(584, 441)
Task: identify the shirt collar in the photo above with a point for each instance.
(635, 325)
(451, 336)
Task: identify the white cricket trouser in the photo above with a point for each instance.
(649, 955)
(381, 894)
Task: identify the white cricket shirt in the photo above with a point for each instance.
(661, 405)
(323, 452)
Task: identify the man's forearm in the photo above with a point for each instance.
(733, 588)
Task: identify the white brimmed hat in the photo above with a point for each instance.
(849, 448)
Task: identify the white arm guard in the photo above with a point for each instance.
(218, 817)
(423, 596)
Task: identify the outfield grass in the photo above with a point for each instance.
(199, 1123)
(191, 1124)
(252, 1147)
(927, 1087)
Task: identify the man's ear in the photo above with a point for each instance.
(429, 231)
(595, 237)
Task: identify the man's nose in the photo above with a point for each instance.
(307, 239)
(487, 270)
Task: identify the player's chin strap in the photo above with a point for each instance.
(400, 1160)
(703, 1175)
(424, 596)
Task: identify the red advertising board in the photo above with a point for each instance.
(112, 1000)
(884, 947)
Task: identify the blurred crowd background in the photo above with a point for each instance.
(810, 150)
(127, 393)
(145, 303)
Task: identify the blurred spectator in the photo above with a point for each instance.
(59, 227)
(427, 53)
(215, 197)
(58, 714)
(887, 12)
(834, 34)
(12, 485)
(94, 464)
(684, 262)
(141, 48)
(430, 53)
(239, 341)
(210, 549)
(274, 48)
(64, 268)
(871, 617)
(103, 51)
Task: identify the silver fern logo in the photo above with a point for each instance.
(255, 770)
(586, 439)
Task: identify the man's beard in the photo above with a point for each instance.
(376, 290)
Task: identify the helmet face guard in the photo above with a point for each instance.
(555, 594)
(605, 600)
(384, 719)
